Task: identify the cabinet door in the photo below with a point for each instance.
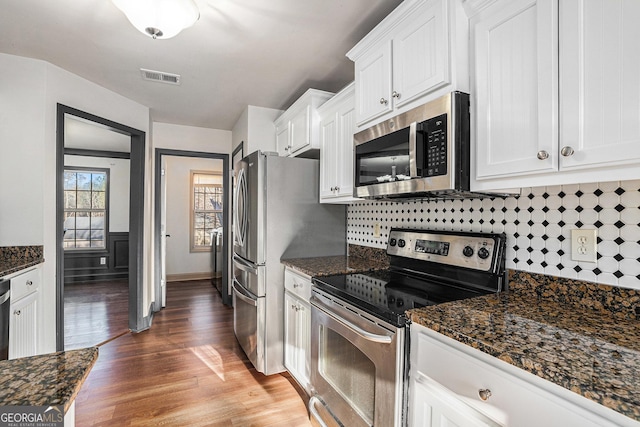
(328, 156)
(344, 152)
(297, 338)
(300, 129)
(514, 61)
(282, 139)
(599, 81)
(421, 53)
(23, 327)
(373, 84)
(432, 405)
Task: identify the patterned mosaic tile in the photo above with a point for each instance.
(538, 226)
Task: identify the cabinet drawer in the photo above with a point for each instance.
(513, 401)
(298, 284)
(25, 283)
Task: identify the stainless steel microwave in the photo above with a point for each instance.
(422, 153)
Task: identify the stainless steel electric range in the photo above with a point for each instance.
(359, 335)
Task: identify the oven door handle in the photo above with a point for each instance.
(241, 293)
(383, 339)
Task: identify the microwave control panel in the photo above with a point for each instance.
(435, 140)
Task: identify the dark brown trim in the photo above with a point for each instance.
(96, 153)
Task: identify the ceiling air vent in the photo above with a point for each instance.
(159, 76)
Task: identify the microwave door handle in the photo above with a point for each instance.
(413, 167)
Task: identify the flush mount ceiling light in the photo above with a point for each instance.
(159, 19)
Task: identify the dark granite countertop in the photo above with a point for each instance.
(589, 352)
(326, 266)
(361, 259)
(16, 258)
(48, 379)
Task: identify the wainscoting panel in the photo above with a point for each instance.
(85, 266)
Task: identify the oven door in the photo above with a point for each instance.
(356, 365)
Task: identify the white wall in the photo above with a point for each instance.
(29, 93)
(178, 175)
(119, 178)
(255, 127)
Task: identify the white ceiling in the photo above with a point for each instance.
(241, 52)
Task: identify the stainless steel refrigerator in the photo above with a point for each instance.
(276, 215)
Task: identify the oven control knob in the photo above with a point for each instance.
(483, 253)
(392, 241)
(400, 302)
(401, 243)
(467, 251)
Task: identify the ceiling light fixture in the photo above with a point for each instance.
(159, 19)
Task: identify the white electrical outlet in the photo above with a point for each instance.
(583, 245)
(376, 229)
(103, 260)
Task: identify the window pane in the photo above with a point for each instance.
(69, 220)
(207, 237)
(208, 221)
(83, 243)
(99, 181)
(84, 200)
(97, 220)
(82, 220)
(69, 236)
(69, 199)
(84, 181)
(69, 180)
(198, 238)
(198, 220)
(98, 200)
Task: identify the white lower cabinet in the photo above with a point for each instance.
(297, 326)
(452, 384)
(24, 315)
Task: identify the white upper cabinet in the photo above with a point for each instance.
(514, 87)
(599, 82)
(298, 128)
(337, 126)
(555, 91)
(419, 48)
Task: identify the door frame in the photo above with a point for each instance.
(157, 229)
(137, 322)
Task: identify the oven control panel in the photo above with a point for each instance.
(470, 250)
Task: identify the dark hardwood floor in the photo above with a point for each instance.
(186, 370)
(95, 312)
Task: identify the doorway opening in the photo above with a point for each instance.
(94, 242)
(195, 221)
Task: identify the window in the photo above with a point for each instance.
(85, 208)
(206, 208)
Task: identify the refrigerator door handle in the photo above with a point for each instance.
(244, 295)
(240, 211)
(244, 266)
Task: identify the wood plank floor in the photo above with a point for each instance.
(95, 312)
(187, 370)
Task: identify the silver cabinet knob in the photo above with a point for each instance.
(337, 188)
(484, 393)
(383, 101)
(286, 148)
(29, 283)
(543, 155)
(396, 95)
(566, 151)
(17, 312)
(293, 306)
(296, 285)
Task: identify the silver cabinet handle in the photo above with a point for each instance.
(484, 393)
(543, 155)
(293, 306)
(17, 312)
(29, 283)
(297, 285)
(396, 95)
(383, 101)
(566, 151)
(337, 188)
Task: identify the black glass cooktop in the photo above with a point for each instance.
(387, 294)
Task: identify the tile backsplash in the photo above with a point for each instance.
(538, 226)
